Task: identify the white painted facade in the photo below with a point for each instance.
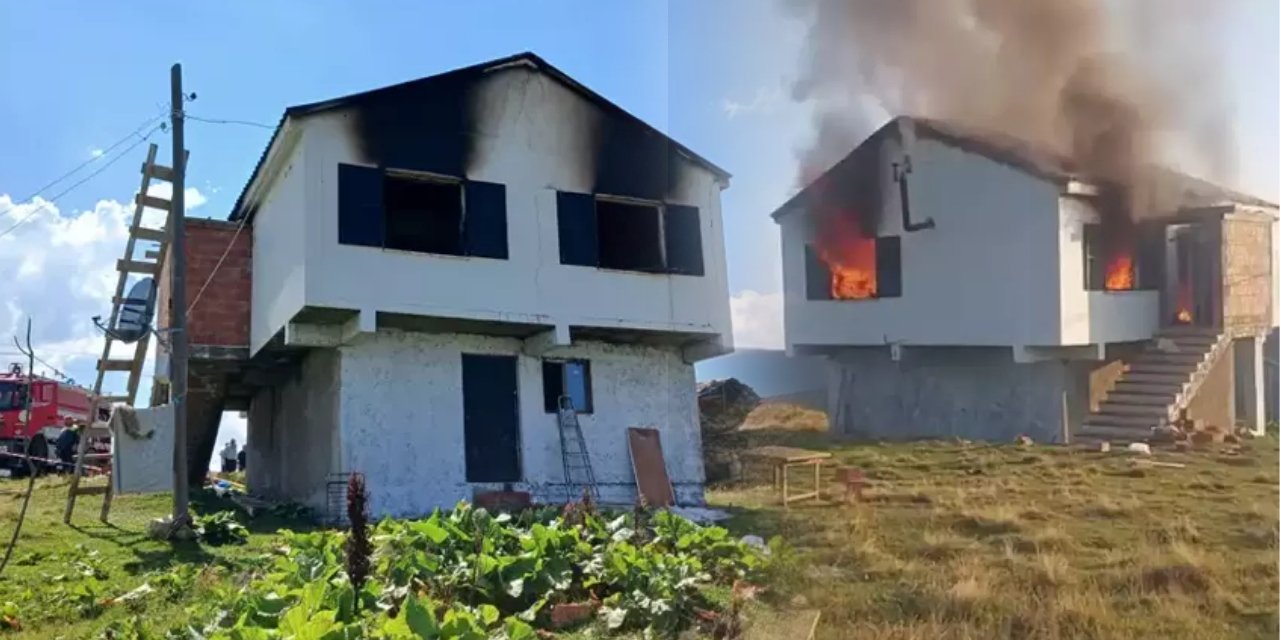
(526, 146)
(1002, 267)
(390, 405)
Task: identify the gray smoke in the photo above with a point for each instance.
(1110, 88)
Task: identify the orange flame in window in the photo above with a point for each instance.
(1120, 272)
(850, 255)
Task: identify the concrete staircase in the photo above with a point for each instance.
(1156, 386)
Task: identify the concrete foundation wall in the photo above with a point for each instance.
(293, 433)
(972, 393)
(401, 416)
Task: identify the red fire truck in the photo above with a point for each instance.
(52, 402)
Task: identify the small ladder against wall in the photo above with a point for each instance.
(579, 479)
(149, 265)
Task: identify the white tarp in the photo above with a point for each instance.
(142, 460)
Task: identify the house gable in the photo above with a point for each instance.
(438, 124)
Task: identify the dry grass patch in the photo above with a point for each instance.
(1108, 507)
(785, 417)
(1050, 538)
(1013, 551)
(945, 544)
(990, 521)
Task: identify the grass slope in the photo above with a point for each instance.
(49, 564)
(954, 541)
(961, 540)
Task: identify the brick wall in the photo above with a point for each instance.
(1246, 275)
(221, 315)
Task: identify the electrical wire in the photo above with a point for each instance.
(82, 165)
(64, 192)
(246, 123)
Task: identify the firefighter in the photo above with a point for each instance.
(66, 443)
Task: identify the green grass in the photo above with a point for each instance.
(960, 540)
(49, 557)
(953, 540)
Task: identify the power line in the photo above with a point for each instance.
(82, 165)
(246, 123)
(104, 167)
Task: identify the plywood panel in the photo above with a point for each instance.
(650, 468)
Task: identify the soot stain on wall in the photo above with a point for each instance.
(437, 127)
(853, 188)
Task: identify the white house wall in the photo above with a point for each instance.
(401, 415)
(532, 138)
(293, 433)
(984, 275)
(1096, 317)
(279, 247)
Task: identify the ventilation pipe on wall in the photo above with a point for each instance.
(900, 173)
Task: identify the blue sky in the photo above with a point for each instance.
(713, 73)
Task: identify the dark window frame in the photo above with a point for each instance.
(1094, 268)
(457, 184)
(676, 229)
(889, 282)
(364, 214)
(553, 379)
(658, 211)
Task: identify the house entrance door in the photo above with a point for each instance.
(491, 418)
(1194, 270)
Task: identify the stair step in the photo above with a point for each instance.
(1128, 385)
(1162, 379)
(1122, 420)
(1159, 367)
(1164, 357)
(1112, 407)
(1155, 399)
(1176, 331)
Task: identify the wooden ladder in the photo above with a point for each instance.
(148, 265)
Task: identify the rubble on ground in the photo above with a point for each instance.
(723, 406)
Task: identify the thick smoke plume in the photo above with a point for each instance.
(1071, 75)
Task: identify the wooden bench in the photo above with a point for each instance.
(781, 460)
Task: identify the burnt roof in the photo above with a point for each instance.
(1169, 189)
(476, 70)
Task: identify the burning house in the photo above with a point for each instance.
(428, 270)
(971, 284)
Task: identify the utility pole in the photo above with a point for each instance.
(178, 303)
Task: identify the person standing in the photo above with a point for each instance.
(229, 457)
(240, 458)
(66, 444)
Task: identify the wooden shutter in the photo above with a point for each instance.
(484, 226)
(888, 267)
(576, 222)
(817, 277)
(682, 233)
(360, 215)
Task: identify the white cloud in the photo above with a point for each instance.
(193, 198)
(765, 101)
(757, 319)
(59, 270)
(96, 152)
